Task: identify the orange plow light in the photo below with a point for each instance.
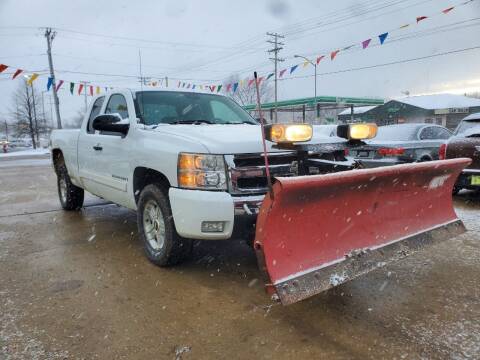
(288, 133)
(319, 231)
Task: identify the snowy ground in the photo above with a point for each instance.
(77, 285)
(24, 152)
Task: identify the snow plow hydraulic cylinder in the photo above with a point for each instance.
(319, 231)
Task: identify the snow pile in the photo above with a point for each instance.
(29, 152)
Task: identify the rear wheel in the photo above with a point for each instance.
(156, 228)
(71, 196)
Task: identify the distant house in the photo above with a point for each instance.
(441, 109)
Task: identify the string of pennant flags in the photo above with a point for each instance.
(86, 89)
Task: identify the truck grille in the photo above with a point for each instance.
(247, 171)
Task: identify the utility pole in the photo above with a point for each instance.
(85, 83)
(50, 35)
(6, 129)
(277, 46)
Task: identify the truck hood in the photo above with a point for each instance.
(231, 139)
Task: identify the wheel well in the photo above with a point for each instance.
(426, 158)
(57, 157)
(143, 176)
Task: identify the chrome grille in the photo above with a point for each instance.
(247, 174)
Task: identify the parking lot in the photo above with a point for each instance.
(77, 285)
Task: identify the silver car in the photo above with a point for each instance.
(402, 143)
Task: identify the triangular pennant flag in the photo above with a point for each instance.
(282, 72)
(212, 88)
(306, 63)
(229, 86)
(183, 84)
(97, 91)
(446, 11)
(260, 79)
(3, 67)
(201, 87)
(250, 82)
(235, 86)
(382, 37)
(270, 75)
(188, 86)
(348, 47)
(293, 68)
(333, 54)
(32, 78)
(80, 88)
(179, 83)
(420, 18)
(241, 82)
(320, 58)
(404, 26)
(59, 85)
(106, 89)
(365, 43)
(18, 72)
(72, 86)
(91, 90)
(219, 88)
(49, 83)
(193, 87)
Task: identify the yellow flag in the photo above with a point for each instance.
(201, 87)
(32, 78)
(98, 90)
(305, 64)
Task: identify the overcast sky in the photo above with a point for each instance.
(205, 42)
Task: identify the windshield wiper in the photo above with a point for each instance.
(193, 122)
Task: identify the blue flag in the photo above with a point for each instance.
(235, 86)
(49, 83)
(382, 37)
(293, 68)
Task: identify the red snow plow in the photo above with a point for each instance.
(314, 232)
(319, 231)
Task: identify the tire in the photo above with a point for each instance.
(156, 229)
(70, 196)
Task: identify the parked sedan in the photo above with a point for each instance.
(465, 143)
(403, 143)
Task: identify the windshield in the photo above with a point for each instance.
(396, 133)
(467, 126)
(171, 107)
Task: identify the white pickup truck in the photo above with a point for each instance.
(190, 164)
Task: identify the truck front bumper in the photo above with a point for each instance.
(192, 208)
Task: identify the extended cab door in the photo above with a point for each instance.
(106, 159)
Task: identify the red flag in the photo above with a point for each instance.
(59, 85)
(282, 72)
(320, 59)
(212, 88)
(250, 82)
(91, 90)
(333, 54)
(18, 72)
(3, 67)
(446, 11)
(260, 79)
(80, 88)
(420, 18)
(229, 86)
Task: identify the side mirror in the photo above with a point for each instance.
(111, 123)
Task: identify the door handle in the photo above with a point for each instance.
(97, 147)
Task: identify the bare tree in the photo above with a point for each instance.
(246, 95)
(27, 114)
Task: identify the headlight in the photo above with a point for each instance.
(201, 171)
(357, 131)
(288, 133)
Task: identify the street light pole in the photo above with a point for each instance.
(314, 64)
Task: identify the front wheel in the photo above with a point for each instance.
(71, 196)
(162, 245)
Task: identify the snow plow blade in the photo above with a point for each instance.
(322, 230)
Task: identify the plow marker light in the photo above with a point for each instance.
(319, 231)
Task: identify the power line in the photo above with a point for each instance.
(386, 64)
